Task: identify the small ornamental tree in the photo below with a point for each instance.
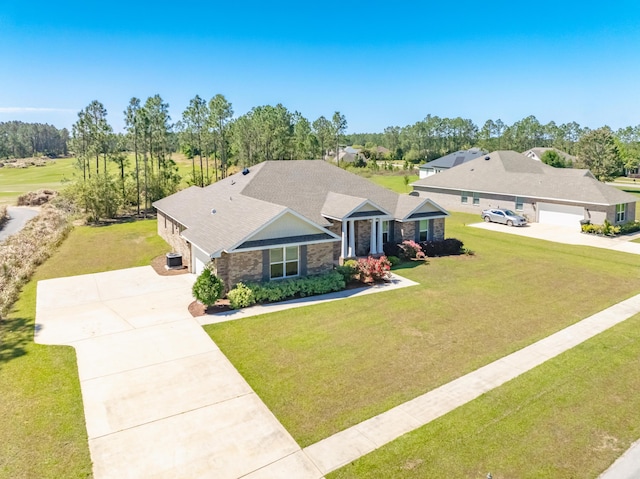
(208, 288)
(374, 270)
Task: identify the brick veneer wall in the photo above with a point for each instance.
(363, 237)
(320, 257)
(236, 267)
(438, 229)
(169, 230)
(336, 227)
(404, 231)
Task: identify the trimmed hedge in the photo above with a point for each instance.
(243, 295)
(446, 247)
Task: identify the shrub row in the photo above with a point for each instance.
(446, 247)
(243, 295)
(21, 253)
(607, 229)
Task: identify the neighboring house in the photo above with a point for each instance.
(536, 154)
(446, 162)
(281, 219)
(507, 179)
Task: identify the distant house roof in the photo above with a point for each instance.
(224, 215)
(512, 173)
(536, 153)
(454, 159)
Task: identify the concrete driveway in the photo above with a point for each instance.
(567, 235)
(160, 398)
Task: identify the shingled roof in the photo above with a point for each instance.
(225, 214)
(512, 173)
(454, 159)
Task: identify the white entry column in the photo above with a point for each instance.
(352, 239)
(373, 248)
(345, 243)
(379, 242)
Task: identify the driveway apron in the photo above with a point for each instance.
(160, 398)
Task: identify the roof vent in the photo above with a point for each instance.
(487, 157)
(245, 171)
(213, 211)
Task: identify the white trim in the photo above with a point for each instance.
(445, 213)
(275, 218)
(261, 248)
(365, 201)
(540, 198)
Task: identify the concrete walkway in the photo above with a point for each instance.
(627, 466)
(396, 282)
(348, 445)
(566, 235)
(160, 398)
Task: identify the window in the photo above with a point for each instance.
(621, 212)
(464, 198)
(519, 204)
(283, 262)
(385, 232)
(423, 230)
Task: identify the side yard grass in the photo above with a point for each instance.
(42, 431)
(571, 417)
(395, 182)
(321, 369)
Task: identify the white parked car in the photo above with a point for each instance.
(506, 217)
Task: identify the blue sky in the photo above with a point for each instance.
(378, 63)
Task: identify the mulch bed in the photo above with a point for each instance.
(198, 309)
(159, 266)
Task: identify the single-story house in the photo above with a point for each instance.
(281, 219)
(536, 154)
(449, 161)
(507, 179)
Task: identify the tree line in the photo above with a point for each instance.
(214, 139)
(23, 140)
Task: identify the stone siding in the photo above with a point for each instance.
(404, 231)
(320, 258)
(438, 229)
(169, 230)
(336, 227)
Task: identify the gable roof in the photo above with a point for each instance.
(536, 153)
(312, 190)
(512, 173)
(454, 159)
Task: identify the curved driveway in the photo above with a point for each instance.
(19, 217)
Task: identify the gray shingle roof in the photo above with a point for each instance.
(512, 173)
(454, 159)
(243, 203)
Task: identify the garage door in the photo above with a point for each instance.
(562, 215)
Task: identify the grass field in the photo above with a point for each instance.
(43, 432)
(568, 418)
(394, 183)
(17, 181)
(345, 362)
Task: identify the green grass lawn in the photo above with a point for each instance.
(568, 418)
(321, 369)
(42, 432)
(393, 182)
(17, 181)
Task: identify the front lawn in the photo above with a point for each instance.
(324, 368)
(42, 432)
(571, 417)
